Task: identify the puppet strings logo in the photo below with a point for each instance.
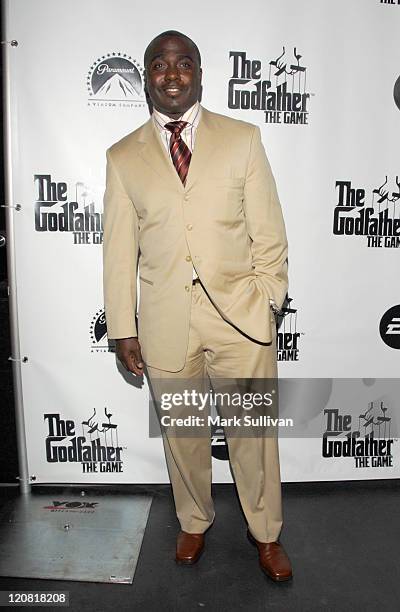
(371, 447)
(96, 449)
(55, 213)
(288, 338)
(277, 87)
(115, 80)
(379, 221)
(98, 333)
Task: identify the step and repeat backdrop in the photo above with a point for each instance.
(322, 80)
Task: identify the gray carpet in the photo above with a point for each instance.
(342, 537)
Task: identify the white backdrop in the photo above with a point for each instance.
(342, 56)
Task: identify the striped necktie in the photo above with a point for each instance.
(180, 152)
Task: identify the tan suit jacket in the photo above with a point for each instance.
(226, 222)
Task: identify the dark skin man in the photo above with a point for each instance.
(173, 84)
(173, 87)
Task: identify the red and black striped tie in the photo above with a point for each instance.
(180, 152)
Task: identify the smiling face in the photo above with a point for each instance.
(173, 74)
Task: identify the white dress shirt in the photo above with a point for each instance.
(188, 134)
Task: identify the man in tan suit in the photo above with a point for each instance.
(191, 200)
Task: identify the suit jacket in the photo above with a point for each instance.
(226, 222)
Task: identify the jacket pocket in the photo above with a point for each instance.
(146, 280)
(227, 182)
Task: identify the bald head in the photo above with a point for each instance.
(170, 33)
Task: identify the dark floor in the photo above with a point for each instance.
(343, 539)
(8, 440)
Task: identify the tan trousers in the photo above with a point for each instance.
(218, 350)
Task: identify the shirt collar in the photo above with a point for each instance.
(191, 116)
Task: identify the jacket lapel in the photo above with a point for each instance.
(204, 146)
(157, 157)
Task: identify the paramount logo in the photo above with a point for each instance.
(115, 86)
(106, 68)
(115, 79)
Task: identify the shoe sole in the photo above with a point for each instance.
(274, 578)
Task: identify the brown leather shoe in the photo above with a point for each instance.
(189, 547)
(274, 561)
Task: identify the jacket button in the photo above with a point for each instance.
(188, 258)
(189, 226)
(187, 288)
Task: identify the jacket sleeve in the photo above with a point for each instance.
(120, 255)
(265, 224)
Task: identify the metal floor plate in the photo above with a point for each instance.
(86, 537)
